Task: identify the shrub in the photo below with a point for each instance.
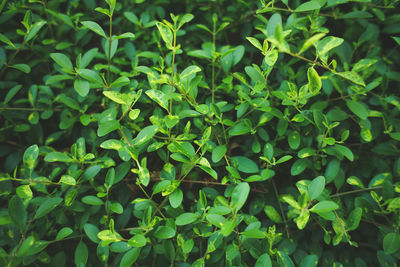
(233, 133)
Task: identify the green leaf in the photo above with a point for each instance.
(13, 91)
(298, 167)
(112, 144)
(63, 233)
(352, 76)
(310, 41)
(302, 219)
(216, 220)
(354, 219)
(391, 243)
(175, 199)
(47, 206)
(88, 57)
(145, 135)
(294, 140)
(68, 180)
(107, 127)
(210, 171)
(353, 180)
(241, 128)
(164, 232)
(159, 97)
(166, 34)
(92, 200)
(121, 81)
(91, 231)
(30, 156)
(63, 61)
(185, 19)
(17, 212)
(218, 153)
(116, 208)
(345, 151)
(5, 40)
(309, 261)
(94, 27)
(245, 165)
(189, 71)
(324, 206)
(130, 257)
(358, 109)
(81, 87)
(308, 6)
(239, 196)
(272, 23)
(34, 30)
(22, 67)
(314, 81)
(138, 240)
(327, 44)
(57, 156)
(273, 214)
(91, 76)
(186, 218)
(24, 191)
(263, 261)
(316, 187)
(81, 254)
(255, 43)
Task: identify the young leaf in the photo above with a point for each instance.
(255, 42)
(94, 27)
(166, 34)
(314, 81)
(30, 156)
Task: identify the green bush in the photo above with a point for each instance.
(234, 133)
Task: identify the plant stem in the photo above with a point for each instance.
(172, 72)
(109, 53)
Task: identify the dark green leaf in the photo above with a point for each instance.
(17, 212)
(47, 206)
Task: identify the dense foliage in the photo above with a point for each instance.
(233, 133)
